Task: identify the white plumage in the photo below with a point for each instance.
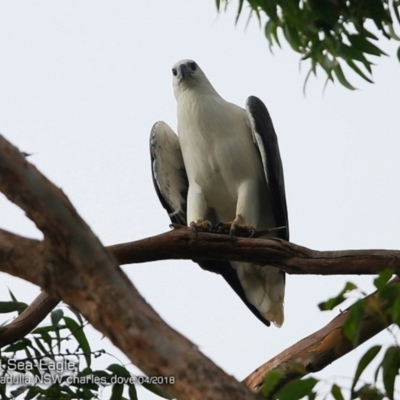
(225, 161)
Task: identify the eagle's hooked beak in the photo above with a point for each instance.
(184, 71)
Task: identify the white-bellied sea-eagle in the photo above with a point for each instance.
(223, 167)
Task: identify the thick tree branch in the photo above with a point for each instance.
(78, 270)
(320, 349)
(183, 244)
(293, 259)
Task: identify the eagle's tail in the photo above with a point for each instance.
(264, 287)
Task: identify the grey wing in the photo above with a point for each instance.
(168, 170)
(267, 143)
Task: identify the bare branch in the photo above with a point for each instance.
(293, 259)
(318, 350)
(82, 273)
(29, 319)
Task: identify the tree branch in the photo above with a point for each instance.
(82, 273)
(184, 244)
(28, 320)
(291, 258)
(320, 349)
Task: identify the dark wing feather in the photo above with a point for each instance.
(171, 184)
(168, 171)
(267, 143)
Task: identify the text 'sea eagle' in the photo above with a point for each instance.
(224, 166)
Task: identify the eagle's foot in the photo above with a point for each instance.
(235, 229)
(201, 226)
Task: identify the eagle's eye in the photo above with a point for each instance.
(174, 71)
(193, 66)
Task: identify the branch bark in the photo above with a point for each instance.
(28, 320)
(82, 273)
(291, 258)
(320, 349)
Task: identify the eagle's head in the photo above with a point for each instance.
(187, 75)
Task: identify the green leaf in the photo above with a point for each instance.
(239, 10)
(396, 6)
(306, 80)
(3, 392)
(13, 298)
(367, 33)
(349, 53)
(331, 303)
(361, 43)
(292, 36)
(337, 392)
(337, 69)
(77, 314)
(352, 325)
(77, 332)
(33, 392)
(117, 391)
(395, 309)
(364, 362)
(270, 381)
(132, 392)
(271, 33)
(392, 32)
(42, 351)
(368, 392)
(86, 371)
(390, 292)
(17, 346)
(20, 390)
(354, 67)
(382, 279)
(12, 306)
(398, 53)
(119, 370)
(56, 316)
(390, 369)
(35, 370)
(295, 390)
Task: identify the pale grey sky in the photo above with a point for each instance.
(81, 84)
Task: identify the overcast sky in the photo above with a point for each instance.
(81, 84)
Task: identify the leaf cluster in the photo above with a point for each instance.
(387, 369)
(329, 32)
(29, 363)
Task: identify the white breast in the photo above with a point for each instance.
(218, 149)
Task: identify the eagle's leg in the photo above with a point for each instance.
(197, 210)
